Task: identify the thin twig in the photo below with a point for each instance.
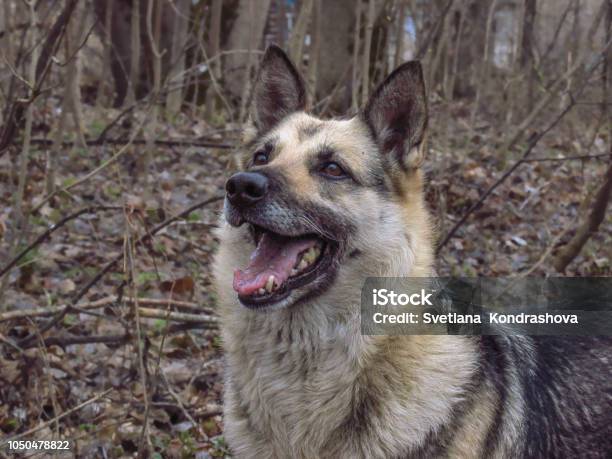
(210, 410)
(545, 255)
(130, 250)
(162, 143)
(568, 158)
(205, 314)
(590, 226)
(180, 404)
(176, 316)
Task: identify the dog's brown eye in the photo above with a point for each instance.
(333, 170)
(260, 158)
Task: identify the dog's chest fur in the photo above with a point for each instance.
(321, 390)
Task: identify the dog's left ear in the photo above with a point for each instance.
(279, 90)
(397, 115)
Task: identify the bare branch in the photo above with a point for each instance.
(589, 227)
(161, 143)
(204, 314)
(569, 158)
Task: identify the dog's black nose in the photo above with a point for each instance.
(246, 188)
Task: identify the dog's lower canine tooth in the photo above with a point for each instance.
(270, 284)
(261, 291)
(303, 264)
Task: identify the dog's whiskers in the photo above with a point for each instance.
(317, 228)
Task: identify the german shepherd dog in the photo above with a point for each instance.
(317, 207)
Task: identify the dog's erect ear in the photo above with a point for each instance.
(278, 91)
(397, 114)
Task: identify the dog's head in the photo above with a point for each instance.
(319, 201)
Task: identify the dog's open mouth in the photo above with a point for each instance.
(280, 264)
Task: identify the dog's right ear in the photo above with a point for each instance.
(279, 90)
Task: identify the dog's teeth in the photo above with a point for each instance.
(261, 291)
(309, 256)
(270, 284)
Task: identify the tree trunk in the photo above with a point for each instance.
(117, 35)
(24, 157)
(246, 35)
(315, 48)
(527, 48)
(601, 200)
(105, 15)
(174, 99)
(367, 45)
(214, 39)
(484, 72)
(400, 34)
(607, 75)
(246, 84)
(296, 42)
(460, 26)
(599, 15)
(71, 105)
(439, 49)
(598, 211)
(468, 50)
(337, 23)
(134, 52)
(6, 43)
(132, 58)
(356, 45)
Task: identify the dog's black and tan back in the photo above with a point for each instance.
(318, 206)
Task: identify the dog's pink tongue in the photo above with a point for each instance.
(274, 256)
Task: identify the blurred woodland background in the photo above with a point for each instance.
(117, 124)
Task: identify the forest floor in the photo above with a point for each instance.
(514, 233)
